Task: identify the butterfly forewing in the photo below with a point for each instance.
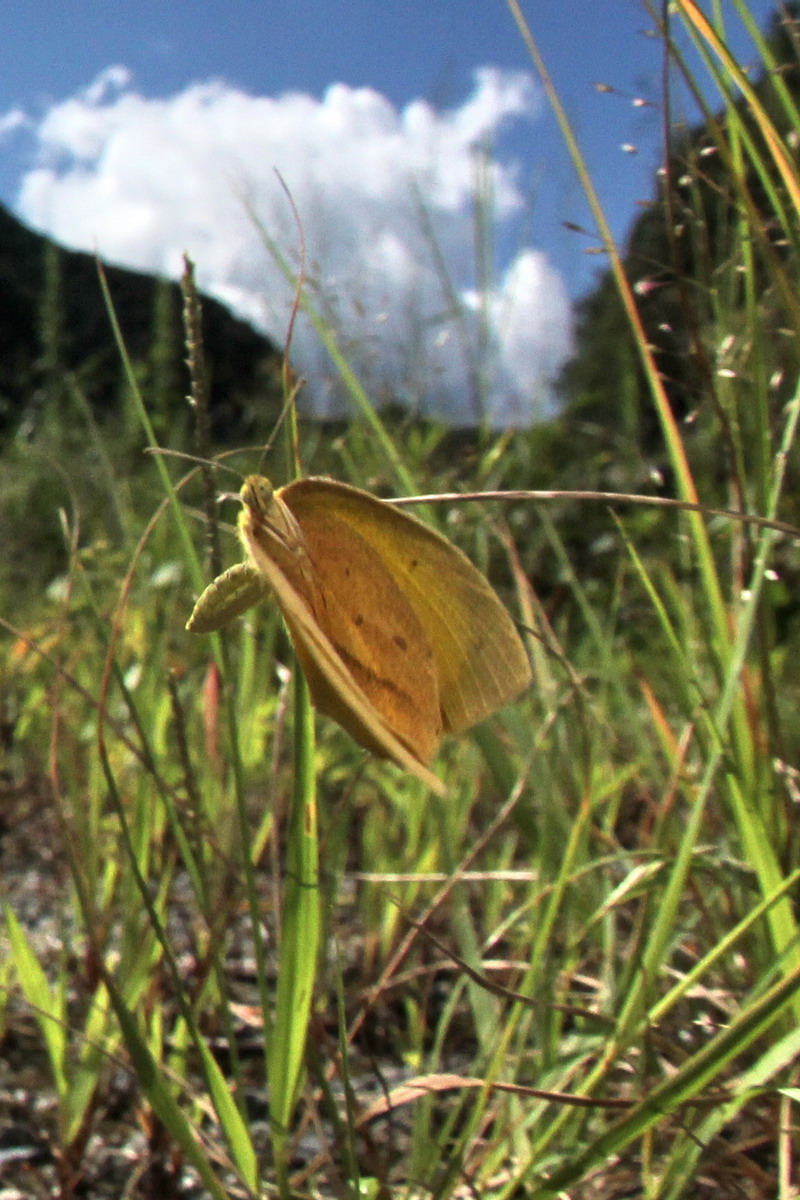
(481, 662)
(346, 616)
(375, 630)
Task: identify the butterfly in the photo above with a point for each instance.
(400, 637)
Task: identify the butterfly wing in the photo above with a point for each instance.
(481, 662)
(336, 693)
(374, 629)
(321, 574)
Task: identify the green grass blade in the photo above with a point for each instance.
(158, 1092)
(680, 1089)
(300, 935)
(46, 1002)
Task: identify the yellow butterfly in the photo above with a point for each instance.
(401, 639)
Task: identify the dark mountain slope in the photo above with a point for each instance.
(53, 321)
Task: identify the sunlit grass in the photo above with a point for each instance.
(586, 954)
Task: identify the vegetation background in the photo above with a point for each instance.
(577, 974)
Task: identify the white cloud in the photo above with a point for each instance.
(387, 202)
(12, 121)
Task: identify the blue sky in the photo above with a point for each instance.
(177, 149)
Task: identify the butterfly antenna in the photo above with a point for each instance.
(212, 463)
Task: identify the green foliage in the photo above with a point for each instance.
(69, 436)
(584, 960)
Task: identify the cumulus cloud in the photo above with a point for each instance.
(387, 201)
(11, 121)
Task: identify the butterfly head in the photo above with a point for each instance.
(258, 496)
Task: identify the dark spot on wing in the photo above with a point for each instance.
(358, 620)
(400, 642)
(358, 668)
